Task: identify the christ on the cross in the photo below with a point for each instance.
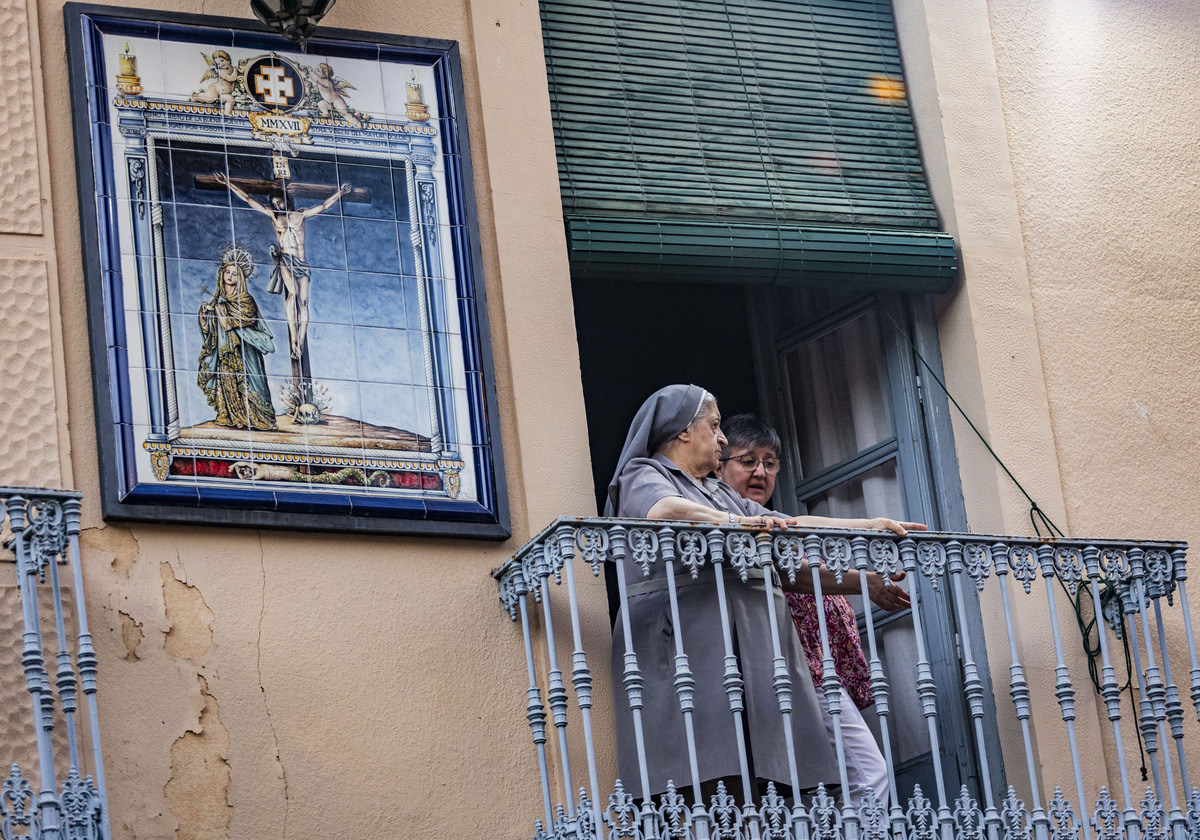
(290, 275)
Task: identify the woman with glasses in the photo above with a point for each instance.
(665, 471)
(749, 465)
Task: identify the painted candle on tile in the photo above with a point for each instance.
(287, 317)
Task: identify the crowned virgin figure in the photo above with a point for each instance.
(232, 374)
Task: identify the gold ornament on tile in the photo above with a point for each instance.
(415, 108)
(128, 81)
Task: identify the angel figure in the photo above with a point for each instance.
(224, 76)
(331, 89)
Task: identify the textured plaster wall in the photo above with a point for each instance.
(30, 452)
(1100, 102)
(271, 684)
(1058, 137)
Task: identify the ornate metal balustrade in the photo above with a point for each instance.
(44, 527)
(1148, 577)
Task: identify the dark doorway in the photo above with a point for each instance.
(636, 337)
(835, 371)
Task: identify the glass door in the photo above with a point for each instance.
(841, 386)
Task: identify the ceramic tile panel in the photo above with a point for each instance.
(281, 233)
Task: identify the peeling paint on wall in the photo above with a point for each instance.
(118, 546)
(198, 790)
(190, 634)
(132, 635)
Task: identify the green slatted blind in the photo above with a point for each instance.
(759, 114)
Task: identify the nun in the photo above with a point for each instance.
(664, 472)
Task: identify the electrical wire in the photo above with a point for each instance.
(1108, 590)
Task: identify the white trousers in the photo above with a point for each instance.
(865, 768)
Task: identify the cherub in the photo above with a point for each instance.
(331, 89)
(225, 76)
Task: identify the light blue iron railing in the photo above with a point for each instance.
(1148, 577)
(44, 525)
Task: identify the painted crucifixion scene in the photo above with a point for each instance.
(308, 319)
(290, 269)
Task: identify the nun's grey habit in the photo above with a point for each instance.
(642, 478)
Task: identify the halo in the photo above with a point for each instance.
(235, 253)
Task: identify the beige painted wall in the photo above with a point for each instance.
(1058, 137)
(272, 684)
(1101, 106)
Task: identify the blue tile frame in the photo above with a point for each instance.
(274, 504)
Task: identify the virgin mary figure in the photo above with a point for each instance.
(232, 374)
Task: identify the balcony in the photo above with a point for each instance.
(1028, 591)
(58, 800)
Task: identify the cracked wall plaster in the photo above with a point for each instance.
(197, 791)
(131, 634)
(190, 634)
(154, 698)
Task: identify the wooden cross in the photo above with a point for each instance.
(281, 187)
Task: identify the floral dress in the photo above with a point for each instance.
(848, 659)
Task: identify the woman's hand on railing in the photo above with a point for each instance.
(885, 594)
(882, 523)
(879, 523)
(765, 523)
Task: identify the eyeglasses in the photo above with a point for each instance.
(750, 463)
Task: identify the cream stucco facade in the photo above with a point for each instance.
(273, 684)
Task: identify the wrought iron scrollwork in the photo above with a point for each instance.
(692, 549)
(776, 816)
(788, 552)
(825, 820)
(931, 559)
(643, 548)
(885, 557)
(1143, 573)
(837, 554)
(593, 547)
(1160, 575)
(922, 822)
(674, 816)
(978, 560)
(18, 810)
(535, 567)
(45, 535)
(742, 552)
(872, 815)
(81, 807)
(1106, 819)
(968, 819)
(725, 814)
(1064, 825)
(621, 815)
(510, 592)
(1193, 814)
(1068, 563)
(1154, 818)
(45, 529)
(1014, 818)
(1023, 561)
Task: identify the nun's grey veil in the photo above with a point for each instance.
(665, 414)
